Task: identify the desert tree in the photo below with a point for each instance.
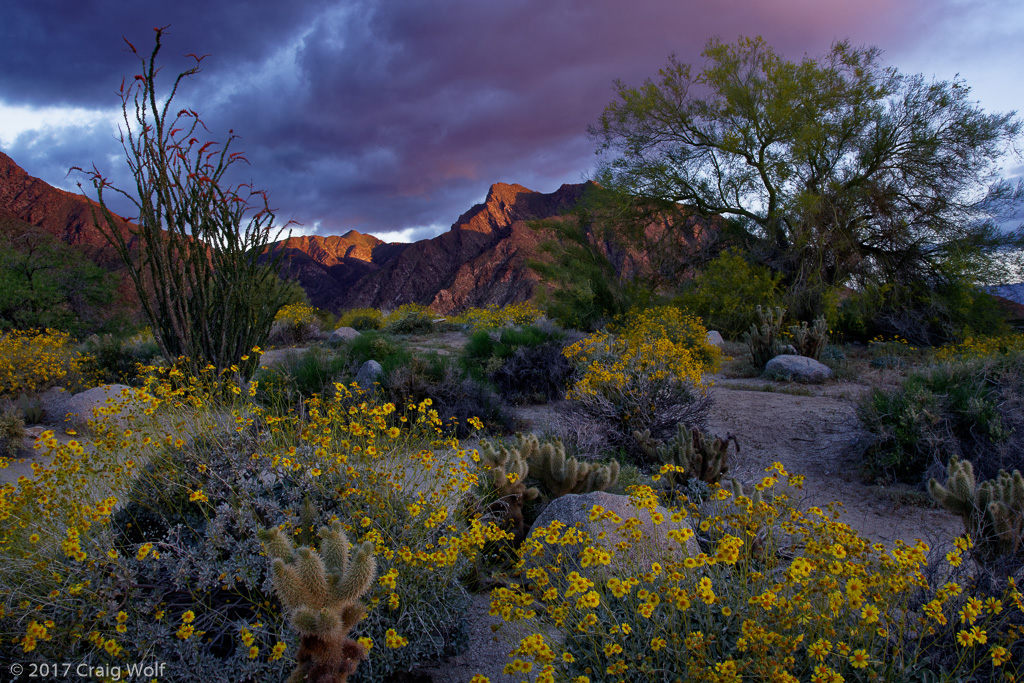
(197, 252)
(838, 170)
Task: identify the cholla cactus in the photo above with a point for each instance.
(763, 341)
(993, 513)
(810, 341)
(559, 475)
(508, 470)
(320, 592)
(31, 409)
(698, 455)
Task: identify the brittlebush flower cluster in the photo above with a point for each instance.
(495, 317)
(645, 373)
(297, 314)
(772, 594)
(138, 539)
(982, 347)
(33, 360)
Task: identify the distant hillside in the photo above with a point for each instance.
(481, 260)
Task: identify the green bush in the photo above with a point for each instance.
(114, 359)
(728, 291)
(378, 346)
(963, 408)
(314, 371)
(362, 319)
(454, 396)
(410, 319)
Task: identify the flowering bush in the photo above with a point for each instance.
(409, 319)
(297, 323)
(646, 374)
(495, 317)
(32, 360)
(776, 594)
(143, 544)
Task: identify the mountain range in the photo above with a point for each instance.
(482, 259)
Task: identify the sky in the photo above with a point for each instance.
(393, 117)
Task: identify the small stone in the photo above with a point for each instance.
(344, 334)
(369, 373)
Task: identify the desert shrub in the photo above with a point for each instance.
(495, 317)
(157, 557)
(116, 360)
(455, 397)
(378, 346)
(298, 323)
(648, 375)
(969, 408)
(12, 431)
(362, 319)
(313, 371)
(728, 291)
(776, 593)
(534, 374)
(525, 364)
(410, 319)
(33, 360)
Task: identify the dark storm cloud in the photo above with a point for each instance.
(399, 115)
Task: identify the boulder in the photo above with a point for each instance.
(369, 372)
(119, 399)
(715, 338)
(344, 334)
(573, 510)
(797, 369)
(55, 402)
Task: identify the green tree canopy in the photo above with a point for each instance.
(839, 170)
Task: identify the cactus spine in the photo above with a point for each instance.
(763, 341)
(697, 454)
(320, 592)
(993, 512)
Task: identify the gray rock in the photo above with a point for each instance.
(82, 406)
(574, 510)
(369, 372)
(797, 369)
(344, 334)
(55, 402)
(715, 338)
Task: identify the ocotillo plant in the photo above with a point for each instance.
(197, 252)
(993, 513)
(320, 592)
(693, 453)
